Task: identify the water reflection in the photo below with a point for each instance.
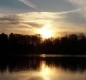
(36, 68)
(45, 71)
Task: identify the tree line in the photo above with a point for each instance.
(18, 44)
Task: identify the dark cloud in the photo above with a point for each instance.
(33, 24)
(9, 19)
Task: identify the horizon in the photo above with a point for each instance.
(43, 38)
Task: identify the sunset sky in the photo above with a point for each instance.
(50, 17)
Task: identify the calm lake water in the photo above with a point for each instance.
(43, 68)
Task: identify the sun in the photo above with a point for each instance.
(45, 31)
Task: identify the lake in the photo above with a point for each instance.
(43, 68)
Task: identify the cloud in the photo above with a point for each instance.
(74, 18)
(33, 24)
(68, 21)
(28, 3)
(79, 3)
(15, 20)
(9, 19)
(17, 24)
(19, 6)
(68, 12)
(40, 17)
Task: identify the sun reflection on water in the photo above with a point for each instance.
(46, 72)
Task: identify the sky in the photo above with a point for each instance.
(32, 16)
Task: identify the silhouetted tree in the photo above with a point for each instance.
(16, 44)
